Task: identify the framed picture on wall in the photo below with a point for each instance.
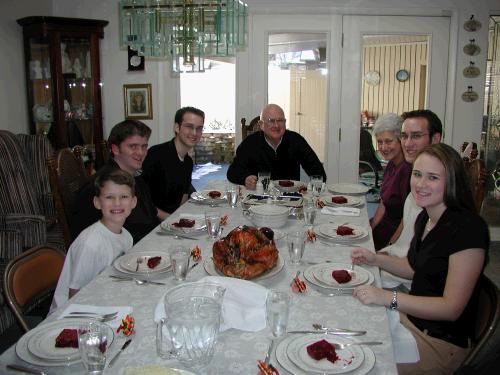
(138, 101)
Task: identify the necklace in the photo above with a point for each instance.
(429, 225)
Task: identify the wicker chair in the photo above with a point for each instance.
(67, 175)
(246, 130)
(477, 174)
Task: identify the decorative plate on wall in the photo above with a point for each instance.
(471, 71)
(402, 75)
(472, 24)
(372, 78)
(472, 49)
(470, 95)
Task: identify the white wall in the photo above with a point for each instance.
(466, 117)
(13, 102)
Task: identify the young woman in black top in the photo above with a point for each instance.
(446, 259)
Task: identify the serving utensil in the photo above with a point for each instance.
(124, 346)
(25, 369)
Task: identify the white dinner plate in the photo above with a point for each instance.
(42, 343)
(288, 365)
(350, 358)
(199, 226)
(289, 189)
(309, 276)
(351, 201)
(204, 197)
(330, 230)
(323, 273)
(344, 188)
(128, 263)
(213, 271)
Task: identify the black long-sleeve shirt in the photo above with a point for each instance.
(255, 155)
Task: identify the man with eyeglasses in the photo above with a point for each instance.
(420, 128)
(168, 166)
(273, 149)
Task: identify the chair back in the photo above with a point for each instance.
(31, 277)
(246, 130)
(477, 175)
(67, 175)
(485, 323)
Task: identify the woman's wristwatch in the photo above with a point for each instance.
(394, 302)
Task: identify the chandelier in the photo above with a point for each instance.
(183, 31)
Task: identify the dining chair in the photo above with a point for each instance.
(246, 130)
(30, 279)
(477, 175)
(67, 175)
(484, 340)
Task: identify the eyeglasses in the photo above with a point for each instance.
(413, 136)
(192, 128)
(277, 121)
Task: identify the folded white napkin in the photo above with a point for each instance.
(115, 323)
(341, 211)
(244, 305)
(403, 342)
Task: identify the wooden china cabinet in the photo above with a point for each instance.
(63, 81)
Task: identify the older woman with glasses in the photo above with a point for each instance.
(396, 184)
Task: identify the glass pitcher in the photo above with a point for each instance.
(193, 315)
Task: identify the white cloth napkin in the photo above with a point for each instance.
(244, 305)
(403, 342)
(341, 211)
(115, 323)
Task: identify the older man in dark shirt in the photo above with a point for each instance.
(273, 149)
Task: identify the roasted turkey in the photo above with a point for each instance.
(246, 252)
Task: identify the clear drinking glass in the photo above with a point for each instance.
(212, 220)
(277, 311)
(179, 258)
(316, 185)
(310, 212)
(264, 177)
(296, 242)
(232, 195)
(93, 341)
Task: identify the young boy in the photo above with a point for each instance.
(99, 244)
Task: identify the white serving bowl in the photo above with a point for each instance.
(268, 215)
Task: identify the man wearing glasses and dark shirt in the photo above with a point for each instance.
(273, 149)
(168, 167)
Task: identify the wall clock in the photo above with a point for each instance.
(372, 78)
(135, 62)
(402, 75)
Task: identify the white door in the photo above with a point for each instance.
(354, 29)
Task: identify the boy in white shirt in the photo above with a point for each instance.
(99, 244)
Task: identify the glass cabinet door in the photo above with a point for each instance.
(78, 92)
(40, 85)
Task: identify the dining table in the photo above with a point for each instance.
(237, 351)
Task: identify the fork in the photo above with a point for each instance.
(93, 317)
(94, 313)
(321, 327)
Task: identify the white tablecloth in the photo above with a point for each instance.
(237, 351)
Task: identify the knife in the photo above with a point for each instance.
(168, 233)
(25, 369)
(337, 333)
(113, 360)
(126, 278)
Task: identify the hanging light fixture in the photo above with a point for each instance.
(184, 31)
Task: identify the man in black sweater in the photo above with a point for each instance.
(168, 166)
(129, 145)
(273, 149)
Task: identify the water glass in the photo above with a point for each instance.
(309, 213)
(317, 185)
(179, 259)
(265, 178)
(296, 242)
(212, 221)
(277, 311)
(93, 340)
(232, 195)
